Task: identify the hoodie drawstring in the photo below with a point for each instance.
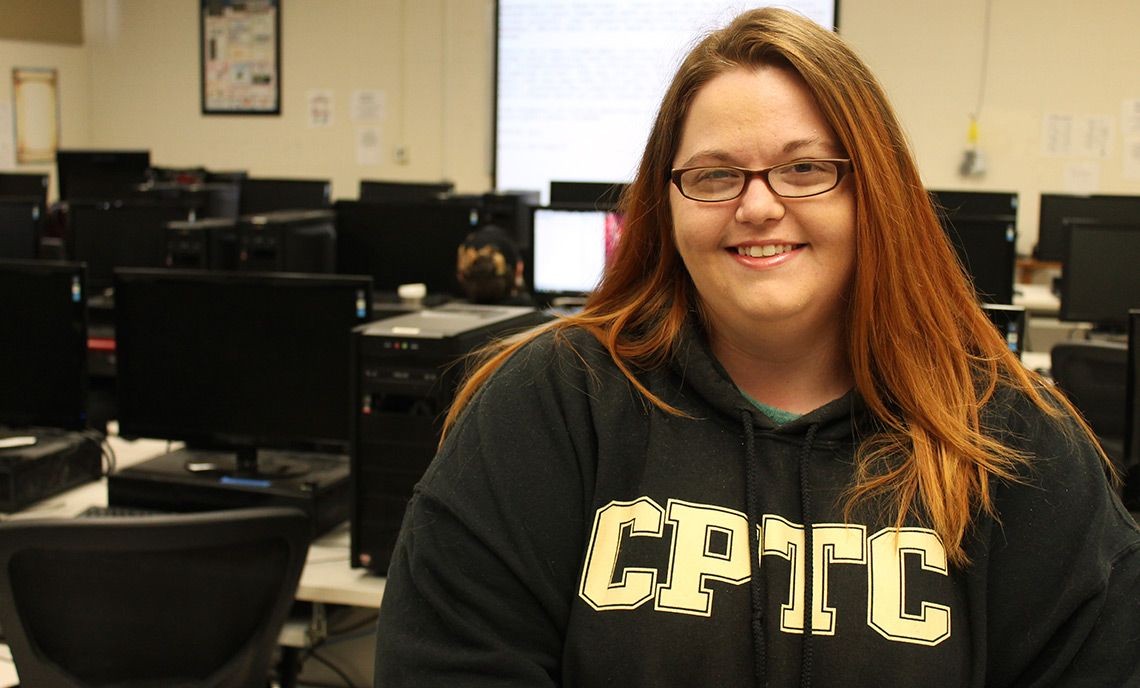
(809, 548)
(758, 584)
(759, 594)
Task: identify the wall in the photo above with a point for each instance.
(74, 79)
(1045, 57)
(135, 84)
(430, 58)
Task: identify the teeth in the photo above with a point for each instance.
(764, 251)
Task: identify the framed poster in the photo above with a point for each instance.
(36, 98)
(241, 57)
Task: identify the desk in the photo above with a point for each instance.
(327, 577)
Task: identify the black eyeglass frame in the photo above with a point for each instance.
(844, 166)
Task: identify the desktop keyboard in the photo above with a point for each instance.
(96, 511)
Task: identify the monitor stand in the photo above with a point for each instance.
(249, 464)
(188, 480)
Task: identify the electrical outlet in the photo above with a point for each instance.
(401, 154)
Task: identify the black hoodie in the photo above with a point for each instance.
(570, 533)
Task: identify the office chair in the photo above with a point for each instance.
(1093, 376)
(185, 600)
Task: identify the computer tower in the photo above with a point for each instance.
(288, 241)
(1011, 321)
(405, 374)
(203, 244)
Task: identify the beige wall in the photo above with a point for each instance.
(430, 58)
(135, 84)
(74, 79)
(1045, 57)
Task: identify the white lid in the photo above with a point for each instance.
(417, 290)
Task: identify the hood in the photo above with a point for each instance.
(702, 374)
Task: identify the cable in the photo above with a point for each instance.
(985, 61)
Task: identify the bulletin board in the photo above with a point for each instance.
(36, 94)
(241, 57)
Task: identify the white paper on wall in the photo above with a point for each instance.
(320, 108)
(1082, 178)
(368, 105)
(368, 145)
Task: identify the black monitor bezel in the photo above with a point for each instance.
(437, 242)
(1055, 209)
(225, 438)
(76, 418)
(131, 167)
(1101, 320)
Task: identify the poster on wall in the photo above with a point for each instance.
(241, 57)
(35, 94)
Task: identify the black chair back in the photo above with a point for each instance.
(188, 600)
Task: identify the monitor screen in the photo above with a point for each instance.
(1100, 282)
(1052, 235)
(18, 185)
(44, 344)
(404, 242)
(119, 234)
(266, 195)
(987, 248)
(19, 227)
(577, 84)
(569, 249)
(231, 359)
(595, 195)
(100, 174)
(954, 204)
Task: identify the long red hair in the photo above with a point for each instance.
(925, 356)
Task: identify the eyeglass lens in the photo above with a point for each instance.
(794, 180)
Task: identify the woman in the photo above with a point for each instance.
(781, 445)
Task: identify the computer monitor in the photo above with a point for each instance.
(569, 250)
(238, 361)
(100, 174)
(954, 204)
(265, 195)
(108, 235)
(44, 344)
(1100, 281)
(20, 220)
(404, 242)
(375, 190)
(19, 185)
(987, 249)
(594, 195)
(1052, 235)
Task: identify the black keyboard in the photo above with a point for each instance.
(95, 511)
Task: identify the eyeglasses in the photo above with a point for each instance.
(798, 179)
